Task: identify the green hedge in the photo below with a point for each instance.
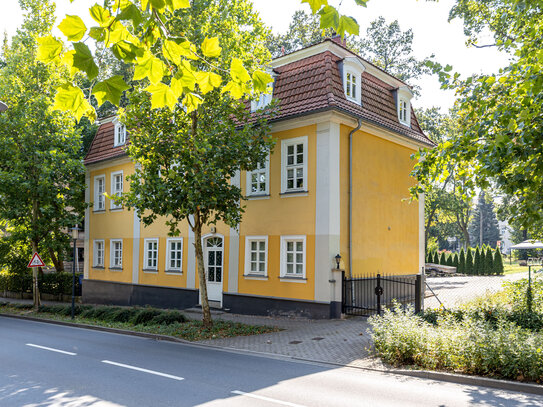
(50, 283)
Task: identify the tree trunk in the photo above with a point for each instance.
(35, 288)
(197, 229)
(57, 261)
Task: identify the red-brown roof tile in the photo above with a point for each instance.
(102, 145)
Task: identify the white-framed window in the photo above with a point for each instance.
(99, 190)
(351, 86)
(403, 111)
(116, 254)
(256, 255)
(174, 255)
(120, 134)
(258, 181)
(293, 256)
(150, 260)
(116, 187)
(263, 101)
(98, 253)
(294, 164)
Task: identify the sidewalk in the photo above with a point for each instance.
(343, 342)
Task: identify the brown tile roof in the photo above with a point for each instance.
(315, 83)
(303, 87)
(102, 145)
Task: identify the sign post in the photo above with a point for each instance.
(35, 262)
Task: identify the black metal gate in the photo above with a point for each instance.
(368, 295)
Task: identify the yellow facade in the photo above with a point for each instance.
(385, 225)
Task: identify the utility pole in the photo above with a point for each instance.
(481, 204)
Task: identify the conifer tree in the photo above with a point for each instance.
(498, 262)
(436, 257)
(461, 262)
(443, 259)
(455, 260)
(477, 263)
(469, 262)
(489, 262)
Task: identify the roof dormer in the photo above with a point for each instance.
(403, 105)
(119, 134)
(264, 98)
(352, 70)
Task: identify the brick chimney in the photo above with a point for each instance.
(337, 38)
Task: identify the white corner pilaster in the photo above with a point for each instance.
(136, 235)
(422, 242)
(191, 259)
(233, 250)
(86, 247)
(327, 204)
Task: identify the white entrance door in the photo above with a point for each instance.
(213, 256)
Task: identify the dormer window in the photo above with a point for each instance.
(352, 78)
(403, 102)
(120, 134)
(263, 101)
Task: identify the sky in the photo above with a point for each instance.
(428, 20)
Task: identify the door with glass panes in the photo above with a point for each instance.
(213, 255)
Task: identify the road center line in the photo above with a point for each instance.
(256, 396)
(51, 349)
(139, 369)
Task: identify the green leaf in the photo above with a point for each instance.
(101, 15)
(177, 4)
(132, 13)
(207, 81)
(512, 126)
(161, 96)
(238, 71)
(261, 80)
(111, 89)
(49, 49)
(329, 18)
(97, 33)
(84, 61)
(316, 4)
(150, 67)
(211, 48)
(71, 98)
(347, 25)
(234, 88)
(73, 28)
(126, 51)
(191, 101)
(362, 3)
(186, 77)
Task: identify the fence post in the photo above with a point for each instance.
(378, 292)
(419, 293)
(343, 291)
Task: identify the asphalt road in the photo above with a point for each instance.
(51, 365)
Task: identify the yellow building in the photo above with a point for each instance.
(336, 183)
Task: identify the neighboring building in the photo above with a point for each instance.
(505, 234)
(298, 214)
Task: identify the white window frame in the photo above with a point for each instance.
(99, 198)
(263, 101)
(249, 183)
(248, 241)
(114, 190)
(95, 244)
(146, 266)
(169, 268)
(404, 111)
(119, 137)
(284, 167)
(283, 267)
(112, 263)
(353, 68)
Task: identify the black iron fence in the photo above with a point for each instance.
(368, 295)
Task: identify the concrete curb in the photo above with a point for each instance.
(423, 374)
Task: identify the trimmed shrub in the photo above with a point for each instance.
(461, 262)
(469, 262)
(124, 314)
(436, 257)
(489, 262)
(145, 316)
(455, 260)
(168, 317)
(477, 263)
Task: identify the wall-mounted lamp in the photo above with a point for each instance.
(338, 260)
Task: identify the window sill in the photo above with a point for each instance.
(174, 272)
(99, 211)
(292, 279)
(98, 267)
(119, 209)
(255, 277)
(289, 194)
(256, 197)
(116, 269)
(150, 271)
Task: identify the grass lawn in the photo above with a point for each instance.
(513, 268)
(188, 329)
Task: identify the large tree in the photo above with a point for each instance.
(502, 111)
(41, 175)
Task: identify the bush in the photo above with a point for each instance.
(477, 263)
(498, 262)
(145, 316)
(501, 349)
(469, 262)
(168, 317)
(462, 262)
(436, 257)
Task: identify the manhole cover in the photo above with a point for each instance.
(317, 339)
(295, 342)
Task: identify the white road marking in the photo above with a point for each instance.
(51, 349)
(139, 369)
(255, 396)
